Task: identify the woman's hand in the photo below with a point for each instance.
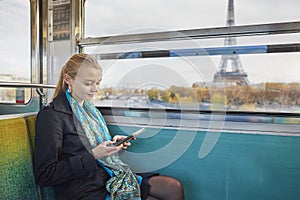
(121, 137)
(105, 149)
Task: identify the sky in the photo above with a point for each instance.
(114, 17)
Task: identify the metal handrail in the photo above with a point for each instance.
(220, 32)
(25, 85)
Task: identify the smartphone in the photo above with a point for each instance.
(130, 137)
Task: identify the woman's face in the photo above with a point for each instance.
(85, 85)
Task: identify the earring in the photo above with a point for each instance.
(69, 89)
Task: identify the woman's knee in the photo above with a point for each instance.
(172, 182)
(170, 187)
(176, 186)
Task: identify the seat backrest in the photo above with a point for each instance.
(47, 193)
(31, 128)
(16, 169)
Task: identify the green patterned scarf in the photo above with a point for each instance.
(123, 184)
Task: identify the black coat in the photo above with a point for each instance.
(62, 155)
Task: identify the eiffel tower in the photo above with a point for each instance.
(234, 75)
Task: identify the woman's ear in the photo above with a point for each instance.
(67, 79)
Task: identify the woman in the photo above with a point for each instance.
(73, 148)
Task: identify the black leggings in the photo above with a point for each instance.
(156, 187)
(145, 187)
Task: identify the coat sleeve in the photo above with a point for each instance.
(50, 169)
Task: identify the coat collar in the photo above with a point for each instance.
(61, 104)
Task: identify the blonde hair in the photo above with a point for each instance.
(71, 68)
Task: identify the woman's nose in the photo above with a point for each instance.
(95, 87)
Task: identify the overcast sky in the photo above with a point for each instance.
(113, 17)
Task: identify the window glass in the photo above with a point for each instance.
(272, 81)
(117, 17)
(15, 49)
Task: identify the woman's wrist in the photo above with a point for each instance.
(93, 153)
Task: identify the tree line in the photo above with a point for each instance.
(269, 93)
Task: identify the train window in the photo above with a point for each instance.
(253, 82)
(15, 49)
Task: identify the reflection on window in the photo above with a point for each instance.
(15, 51)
